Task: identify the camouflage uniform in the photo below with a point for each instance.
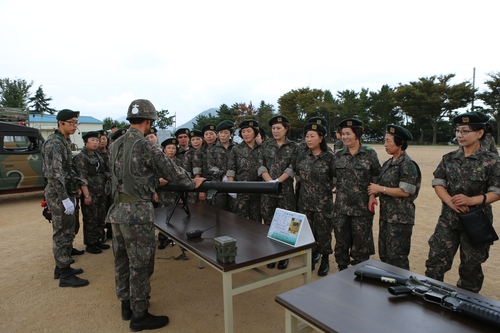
(90, 167)
(132, 214)
(474, 175)
(315, 176)
(397, 214)
(187, 164)
(243, 164)
(488, 143)
(339, 144)
(217, 159)
(353, 220)
(109, 200)
(276, 161)
(167, 198)
(63, 183)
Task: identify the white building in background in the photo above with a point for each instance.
(47, 124)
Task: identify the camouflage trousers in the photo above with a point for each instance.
(94, 216)
(270, 202)
(394, 242)
(444, 243)
(353, 238)
(321, 226)
(134, 251)
(248, 205)
(63, 229)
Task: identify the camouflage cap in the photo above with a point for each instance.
(118, 133)
(196, 133)
(249, 123)
(142, 108)
(67, 114)
(225, 124)
(399, 131)
(350, 122)
(315, 127)
(90, 134)
(318, 120)
(182, 131)
(471, 118)
(278, 120)
(170, 141)
(208, 127)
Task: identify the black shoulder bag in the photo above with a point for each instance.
(477, 225)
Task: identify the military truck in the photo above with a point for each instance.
(20, 159)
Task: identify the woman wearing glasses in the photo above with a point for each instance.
(469, 176)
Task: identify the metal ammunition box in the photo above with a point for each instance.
(225, 248)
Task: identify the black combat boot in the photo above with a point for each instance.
(74, 271)
(102, 245)
(68, 279)
(325, 266)
(147, 321)
(283, 264)
(93, 248)
(315, 258)
(76, 252)
(126, 310)
(271, 265)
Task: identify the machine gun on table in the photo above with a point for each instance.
(214, 187)
(434, 293)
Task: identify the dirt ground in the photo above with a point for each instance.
(33, 302)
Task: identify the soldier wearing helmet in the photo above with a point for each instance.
(136, 165)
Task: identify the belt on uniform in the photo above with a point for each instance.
(122, 197)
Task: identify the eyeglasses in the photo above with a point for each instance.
(462, 132)
(73, 123)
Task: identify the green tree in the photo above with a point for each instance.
(40, 103)
(299, 105)
(491, 98)
(244, 111)
(164, 120)
(225, 113)
(264, 113)
(108, 123)
(203, 120)
(433, 98)
(14, 93)
(382, 110)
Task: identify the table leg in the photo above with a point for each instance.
(227, 294)
(308, 263)
(290, 322)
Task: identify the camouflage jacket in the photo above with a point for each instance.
(187, 161)
(315, 175)
(200, 161)
(57, 166)
(90, 167)
(405, 174)
(353, 174)
(218, 157)
(474, 175)
(243, 162)
(148, 163)
(488, 143)
(277, 160)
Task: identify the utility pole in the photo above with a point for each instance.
(473, 88)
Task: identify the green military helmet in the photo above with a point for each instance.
(225, 124)
(315, 127)
(118, 133)
(67, 114)
(90, 134)
(318, 120)
(196, 133)
(399, 131)
(209, 127)
(142, 108)
(350, 122)
(471, 118)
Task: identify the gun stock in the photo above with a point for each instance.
(229, 187)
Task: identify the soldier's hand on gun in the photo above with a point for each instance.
(163, 182)
(69, 206)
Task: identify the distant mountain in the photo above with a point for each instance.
(189, 124)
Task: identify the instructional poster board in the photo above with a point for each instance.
(291, 228)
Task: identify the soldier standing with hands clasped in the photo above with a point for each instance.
(60, 193)
(469, 176)
(136, 165)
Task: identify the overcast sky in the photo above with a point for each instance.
(189, 56)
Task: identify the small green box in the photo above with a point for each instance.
(225, 249)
